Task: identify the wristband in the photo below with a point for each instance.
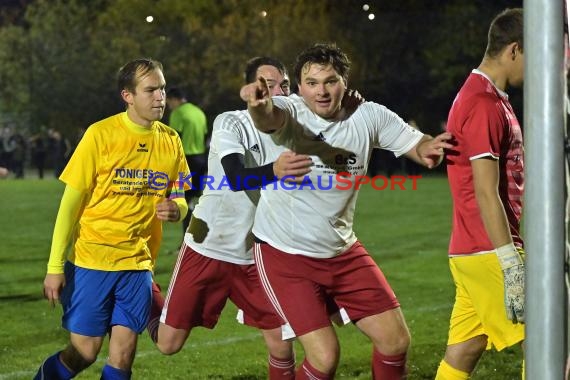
(508, 256)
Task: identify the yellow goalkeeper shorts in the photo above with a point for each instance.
(479, 307)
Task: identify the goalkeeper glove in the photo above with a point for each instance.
(513, 277)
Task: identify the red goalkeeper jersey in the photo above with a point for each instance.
(483, 124)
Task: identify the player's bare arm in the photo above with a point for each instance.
(486, 186)
(266, 117)
(429, 151)
(289, 166)
(168, 211)
(486, 183)
(292, 166)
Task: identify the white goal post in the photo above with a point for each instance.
(545, 189)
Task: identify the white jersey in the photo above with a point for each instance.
(316, 219)
(222, 219)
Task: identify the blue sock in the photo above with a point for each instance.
(112, 373)
(53, 369)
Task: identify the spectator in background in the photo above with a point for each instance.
(60, 150)
(18, 146)
(3, 157)
(383, 160)
(39, 147)
(13, 150)
(190, 122)
(7, 146)
(4, 171)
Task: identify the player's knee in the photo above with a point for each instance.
(168, 347)
(395, 344)
(280, 349)
(325, 360)
(327, 363)
(465, 355)
(89, 359)
(78, 358)
(475, 347)
(402, 342)
(276, 346)
(170, 340)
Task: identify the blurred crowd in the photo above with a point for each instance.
(48, 149)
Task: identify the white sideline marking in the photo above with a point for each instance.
(220, 342)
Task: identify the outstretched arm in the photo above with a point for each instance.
(429, 150)
(289, 165)
(265, 115)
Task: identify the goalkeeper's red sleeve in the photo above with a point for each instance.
(67, 218)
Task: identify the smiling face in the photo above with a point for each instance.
(146, 103)
(322, 88)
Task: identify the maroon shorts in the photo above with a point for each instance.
(200, 287)
(298, 286)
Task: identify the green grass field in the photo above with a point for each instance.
(405, 231)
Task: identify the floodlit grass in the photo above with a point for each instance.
(405, 231)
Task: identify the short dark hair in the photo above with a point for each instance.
(176, 93)
(128, 74)
(323, 54)
(506, 28)
(251, 67)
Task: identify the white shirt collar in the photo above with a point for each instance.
(479, 72)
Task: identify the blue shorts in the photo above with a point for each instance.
(93, 300)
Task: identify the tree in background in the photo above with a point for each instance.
(56, 65)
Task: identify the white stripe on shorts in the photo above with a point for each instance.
(286, 330)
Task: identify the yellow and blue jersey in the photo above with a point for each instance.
(126, 170)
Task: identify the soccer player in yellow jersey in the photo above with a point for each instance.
(126, 176)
